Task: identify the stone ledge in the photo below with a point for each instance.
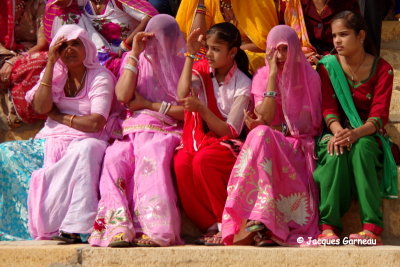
(46, 253)
(390, 30)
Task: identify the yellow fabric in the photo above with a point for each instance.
(256, 60)
(255, 18)
(294, 18)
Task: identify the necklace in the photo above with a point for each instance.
(354, 77)
(320, 9)
(70, 91)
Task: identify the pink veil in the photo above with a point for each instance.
(70, 32)
(161, 63)
(299, 85)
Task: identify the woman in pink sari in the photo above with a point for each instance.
(138, 201)
(271, 193)
(76, 93)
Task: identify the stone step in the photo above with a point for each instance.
(47, 253)
(390, 31)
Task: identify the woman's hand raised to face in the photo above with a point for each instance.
(55, 50)
(271, 57)
(139, 42)
(195, 41)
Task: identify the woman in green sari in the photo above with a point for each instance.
(353, 154)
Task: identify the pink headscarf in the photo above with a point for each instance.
(161, 63)
(60, 73)
(299, 86)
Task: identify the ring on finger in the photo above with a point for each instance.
(348, 139)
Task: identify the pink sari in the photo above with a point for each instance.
(136, 186)
(272, 179)
(63, 193)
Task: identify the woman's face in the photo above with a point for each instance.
(218, 53)
(345, 40)
(73, 53)
(281, 55)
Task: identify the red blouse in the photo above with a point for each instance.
(319, 25)
(371, 97)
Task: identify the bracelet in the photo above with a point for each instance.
(270, 94)
(163, 107)
(167, 108)
(131, 68)
(124, 46)
(45, 84)
(70, 120)
(9, 62)
(134, 58)
(187, 54)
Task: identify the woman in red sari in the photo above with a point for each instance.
(220, 91)
(22, 56)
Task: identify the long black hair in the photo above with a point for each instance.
(229, 34)
(357, 23)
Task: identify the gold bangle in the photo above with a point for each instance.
(45, 84)
(70, 120)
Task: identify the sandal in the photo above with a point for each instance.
(254, 226)
(328, 236)
(263, 239)
(68, 238)
(215, 240)
(118, 241)
(366, 239)
(146, 241)
(202, 239)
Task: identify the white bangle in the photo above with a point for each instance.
(134, 58)
(131, 68)
(167, 108)
(163, 107)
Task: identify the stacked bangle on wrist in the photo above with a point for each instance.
(164, 108)
(131, 68)
(124, 46)
(270, 94)
(134, 58)
(187, 54)
(201, 9)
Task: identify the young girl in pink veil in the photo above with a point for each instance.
(138, 201)
(271, 193)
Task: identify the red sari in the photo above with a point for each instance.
(204, 162)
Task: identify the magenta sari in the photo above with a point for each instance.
(136, 186)
(272, 179)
